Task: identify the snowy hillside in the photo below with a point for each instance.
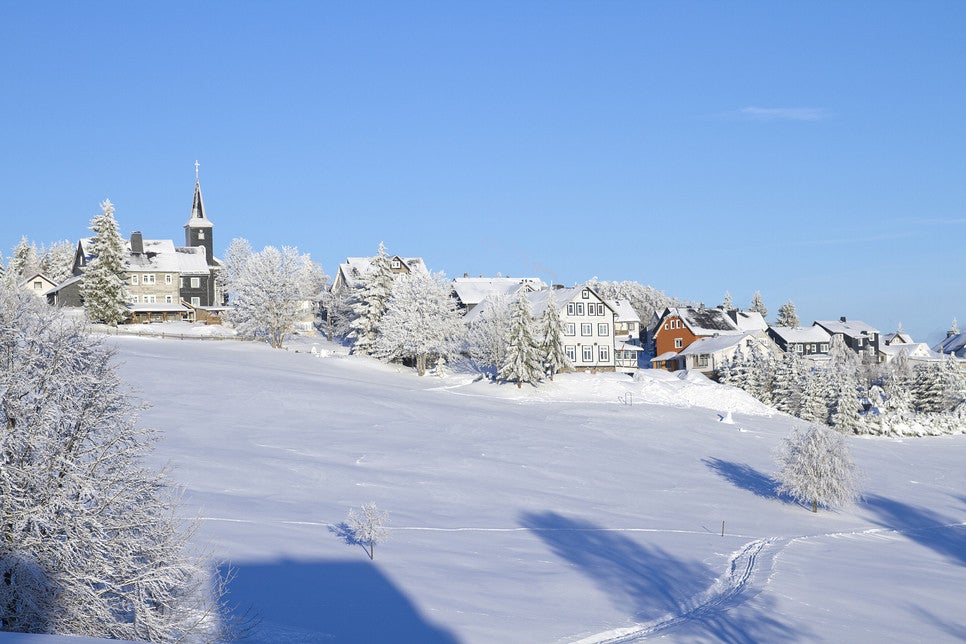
(589, 509)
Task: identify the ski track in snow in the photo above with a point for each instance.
(734, 587)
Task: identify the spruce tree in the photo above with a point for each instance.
(522, 362)
(758, 305)
(369, 303)
(787, 315)
(728, 304)
(103, 289)
(551, 344)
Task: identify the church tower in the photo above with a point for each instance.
(197, 232)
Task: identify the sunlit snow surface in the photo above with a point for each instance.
(587, 509)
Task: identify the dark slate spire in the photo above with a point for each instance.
(198, 230)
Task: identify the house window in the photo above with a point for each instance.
(799, 348)
(201, 234)
(585, 294)
(168, 278)
(580, 308)
(570, 328)
(38, 286)
(678, 343)
(603, 329)
(701, 360)
(605, 354)
(571, 351)
(134, 279)
(196, 301)
(600, 309)
(588, 354)
(147, 278)
(571, 308)
(168, 299)
(150, 299)
(134, 299)
(586, 329)
(395, 263)
(195, 282)
(824, 346)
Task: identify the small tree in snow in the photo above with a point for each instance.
(551, 339)
(814, 466)
(522, 363)
(369, 302)
(787, 315)
(369, 526)
(758, 305)
(103, 289)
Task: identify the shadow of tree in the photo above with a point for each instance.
(650, 583)
(955, 631)
(943, 534)
(744, 476)
(325, 601)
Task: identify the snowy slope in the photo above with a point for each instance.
(572, 511)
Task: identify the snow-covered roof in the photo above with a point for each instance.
(899, 337)
(713, 344)
(192, 260)
(748, 320)
(703, 321)
(353, 268)
(915, 350)
(473, 290)
(625, 312)
(667, 355)
(851, 328)
(627, 346)
(953, 344)
(801, 335)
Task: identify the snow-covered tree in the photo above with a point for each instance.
(728, 303)
(336, 308)
(103, 289)
(25, 260)
(89, 542)
(369, 302)
(274, 292)
(420, 322)
(57, 260)
(758, 305)
(814, 466)
(551, 340)
(645, 300)
(789, 383)
(487, 334)
(236, 257)
(939, 386)
(369, 526)
(522, 362)
(787, 315)
(844, 415)
(817, 397)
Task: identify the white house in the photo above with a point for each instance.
(350, 272)
(707, 354)
(470, 291)
(588, 325)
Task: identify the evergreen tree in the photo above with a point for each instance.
(845, 404)
(788, 384)
(815, 467)
(551, 343)
(522, 362)
(103, 289)
(25, 260)
(787, 315)
(420, 321)
(817, 397)
(369, 302)
(487, 334)
(758, 305)
(728, 303)
(56, 261)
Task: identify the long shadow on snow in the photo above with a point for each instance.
(943, 534)
(326, 601)
(744, 476)
(650, 583)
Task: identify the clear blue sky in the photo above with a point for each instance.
(815, 151)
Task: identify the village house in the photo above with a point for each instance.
(809, 341)
(470, 291)
(857, 335)
(349, 274)
(38, 284)
(588, 326)
(708, 354)
(679, 327)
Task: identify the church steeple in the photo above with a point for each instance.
(197, 232)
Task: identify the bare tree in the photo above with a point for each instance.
(815, 467)
(369, 526)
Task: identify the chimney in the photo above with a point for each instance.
(842, 319)
(137, 243)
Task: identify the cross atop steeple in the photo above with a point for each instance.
(196, 171)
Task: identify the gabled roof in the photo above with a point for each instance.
(748, 320)
(161, 255)
(851, 328)
(800, 335)
(353, 268)
(713, 344)
(953, 344)
(192, 260)
(473, 290)
(899, 337)
(916, 350)
(702, 321)
(625, 312)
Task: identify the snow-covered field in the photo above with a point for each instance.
(588, 509)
